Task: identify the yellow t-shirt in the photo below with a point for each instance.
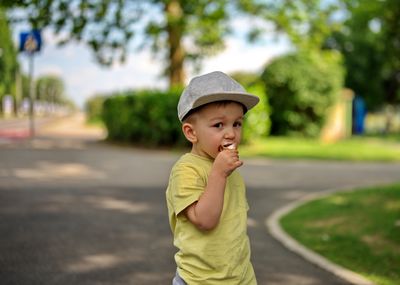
(219, 256)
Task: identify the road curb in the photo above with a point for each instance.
(273, 226)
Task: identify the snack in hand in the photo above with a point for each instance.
(227, 146)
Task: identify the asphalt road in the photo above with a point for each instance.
(81, 212)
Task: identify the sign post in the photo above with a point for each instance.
(30, 43)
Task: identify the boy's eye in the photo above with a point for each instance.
(218, 125)
(237, 124)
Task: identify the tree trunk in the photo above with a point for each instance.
(176, 56)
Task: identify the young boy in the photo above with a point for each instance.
(206, 196)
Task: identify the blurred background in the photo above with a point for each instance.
(324, 70)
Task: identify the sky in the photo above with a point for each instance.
(84, 78)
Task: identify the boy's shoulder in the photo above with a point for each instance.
(190, 158)
(192, 162)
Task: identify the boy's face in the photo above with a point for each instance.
(216, 125)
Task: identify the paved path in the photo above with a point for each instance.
(73, 211)
(19, 128)
(56, 127)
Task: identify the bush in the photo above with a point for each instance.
(94, 108)
(300, 88)
(146, 118)
(257, 123)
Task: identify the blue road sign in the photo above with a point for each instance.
(30, 42)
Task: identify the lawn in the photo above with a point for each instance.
(353, 149)
(359, 230)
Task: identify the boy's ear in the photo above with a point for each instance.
(189, 132)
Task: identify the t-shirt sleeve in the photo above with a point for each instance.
(186, 186)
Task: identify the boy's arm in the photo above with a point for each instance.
(206, 212)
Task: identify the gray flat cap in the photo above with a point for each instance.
(213, 87)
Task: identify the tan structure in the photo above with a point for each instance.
(339, 120)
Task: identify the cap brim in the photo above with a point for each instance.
(247, 99)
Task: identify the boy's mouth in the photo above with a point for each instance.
(227, 146)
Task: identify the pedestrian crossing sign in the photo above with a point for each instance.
(30, 42)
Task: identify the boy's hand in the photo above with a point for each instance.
(227, 161)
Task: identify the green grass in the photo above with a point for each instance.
(354, 149)
(359, 230)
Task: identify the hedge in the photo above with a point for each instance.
(143, 117)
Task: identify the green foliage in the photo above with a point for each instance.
(247, 79)
(307, 23)
(94, 107)
(300, 88)
(25, 86)
(257, 123)
(109, 28)
(50, 88)
(8, 57)
(145, 118)
(369, 42)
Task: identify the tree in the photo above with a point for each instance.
(370, 44)
(50, 88)
(178, 30)
(8, 58)
(307, 23)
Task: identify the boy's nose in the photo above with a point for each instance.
(229, 133)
